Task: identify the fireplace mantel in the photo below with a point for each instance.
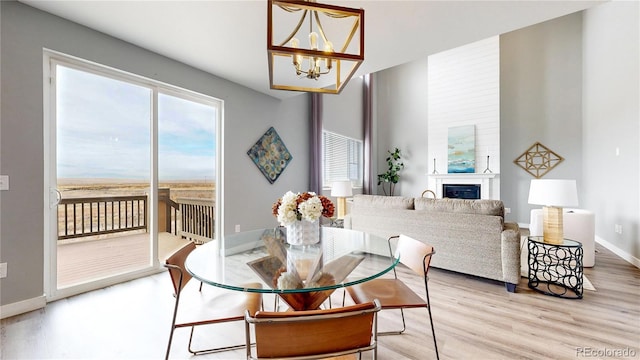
(487, 182)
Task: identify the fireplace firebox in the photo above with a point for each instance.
(461, 191)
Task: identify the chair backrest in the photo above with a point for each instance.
(322, 333)
(414, 254)
(175, 263)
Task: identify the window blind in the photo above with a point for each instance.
(342, 159)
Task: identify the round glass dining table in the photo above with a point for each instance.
(302, 275)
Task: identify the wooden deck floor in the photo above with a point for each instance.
(83, 261)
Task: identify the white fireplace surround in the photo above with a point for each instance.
(489, 183)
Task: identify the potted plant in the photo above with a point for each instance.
(392, 175)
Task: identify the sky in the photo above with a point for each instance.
(104, 131)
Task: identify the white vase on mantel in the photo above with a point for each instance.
(303, 232)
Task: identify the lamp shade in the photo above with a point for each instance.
(341, 188)
(553, 192)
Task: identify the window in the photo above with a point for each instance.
(342, 159)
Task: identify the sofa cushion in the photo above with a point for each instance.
(461, 206)
(379, 201)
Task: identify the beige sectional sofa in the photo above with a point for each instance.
(469, 236)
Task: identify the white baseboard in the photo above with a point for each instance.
(621, 253)
(23, 306)
(611, 247)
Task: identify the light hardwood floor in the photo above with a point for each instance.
(474, 319)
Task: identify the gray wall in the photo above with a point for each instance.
(343, 113)
(248, 196)
(611, 113)
(540, 100)
(401, 112)
(24, 33)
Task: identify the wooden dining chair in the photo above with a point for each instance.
(313, 334)
(395, 294)
(202, 308)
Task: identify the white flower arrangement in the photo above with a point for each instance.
(307, 206)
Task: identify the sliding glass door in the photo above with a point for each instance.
(130, 174)
(187, 128)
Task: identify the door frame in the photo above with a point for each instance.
(50, 168)
(51, 290)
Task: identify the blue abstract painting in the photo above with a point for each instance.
(270, 155)
(462, 149)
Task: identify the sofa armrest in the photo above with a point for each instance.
(511, 253)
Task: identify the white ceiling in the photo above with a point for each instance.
(228, 38)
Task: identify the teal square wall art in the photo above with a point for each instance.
(461, 149)
(270, 155)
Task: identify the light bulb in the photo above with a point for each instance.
(313, 40)
(296, 58)
(328, 47)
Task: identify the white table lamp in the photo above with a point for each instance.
(341, 190)
(553, 194)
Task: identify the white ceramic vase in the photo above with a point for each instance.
(303, 232)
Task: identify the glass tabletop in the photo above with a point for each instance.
(342, 258)
(564, 243)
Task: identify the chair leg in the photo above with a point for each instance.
(173, 322)
(214, 350)
(404, 325)
(396, 332)
(433, 332)
(166, 356)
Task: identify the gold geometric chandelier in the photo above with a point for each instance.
(313, 47)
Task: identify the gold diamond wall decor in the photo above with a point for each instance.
(538, 160)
